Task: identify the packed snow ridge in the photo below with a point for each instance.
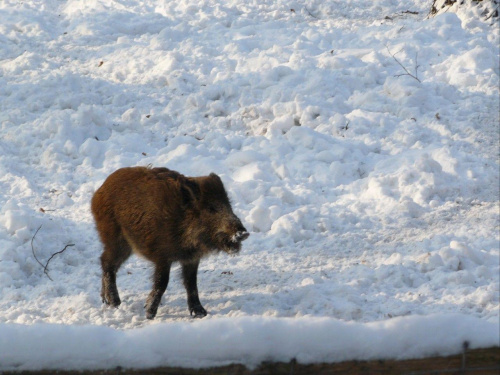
(358, 141)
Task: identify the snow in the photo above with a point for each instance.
(251, 340)
(372, 197)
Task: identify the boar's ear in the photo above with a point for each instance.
(217, 184)
(215, 177)
(190, 191)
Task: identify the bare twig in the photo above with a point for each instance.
(492, 13)
(32, 248)
(46, 267)
(415, 76)
(409, 12)
(416, 65)
(309, 12)
(433, 11)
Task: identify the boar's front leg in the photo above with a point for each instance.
(160, 283)
(189, 274)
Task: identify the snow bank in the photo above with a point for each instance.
(248, 341)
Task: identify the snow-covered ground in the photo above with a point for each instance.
(371, 191)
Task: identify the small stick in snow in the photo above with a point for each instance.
(493, 13)
(409, 12)
(309, 12)
(415, 76)
(45, 268)
(33, 249)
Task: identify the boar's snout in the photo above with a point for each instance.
(241, 235)
(237, 234)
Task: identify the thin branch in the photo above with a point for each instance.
(432, 11)
(45, 268)
(435, 11)
(492, 13)
(309, 12)
(32, 248)
(416, 65)
(415, 76)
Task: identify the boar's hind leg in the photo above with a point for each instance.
(115, 253)
(189, 274)
(160, 283)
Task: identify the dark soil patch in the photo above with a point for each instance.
(476, 362)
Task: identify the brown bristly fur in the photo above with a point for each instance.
(165, 217)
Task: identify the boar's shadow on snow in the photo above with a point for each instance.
(165, 217)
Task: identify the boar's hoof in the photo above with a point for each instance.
(151, 309)
(113, 300)
(151, 312)
(198, 311)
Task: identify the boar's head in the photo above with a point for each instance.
(218, 227)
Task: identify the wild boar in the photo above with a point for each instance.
(165, 217)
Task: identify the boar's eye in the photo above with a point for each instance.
(212, 208)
